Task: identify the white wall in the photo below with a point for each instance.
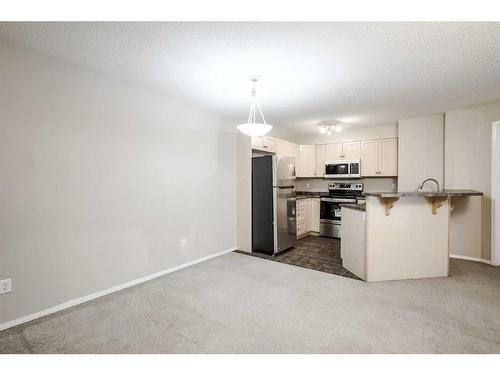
(421, 152)
(99, 180)
(468, 166)
(244, 193)
(351, 134)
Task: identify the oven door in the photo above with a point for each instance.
(334, 169)
(330, 216)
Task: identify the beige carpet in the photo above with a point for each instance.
(241, 304)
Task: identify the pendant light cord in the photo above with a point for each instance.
(252, 118)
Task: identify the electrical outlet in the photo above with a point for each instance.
(5, 286)
(184, 242)
(308, 185)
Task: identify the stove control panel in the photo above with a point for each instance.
(345, 186)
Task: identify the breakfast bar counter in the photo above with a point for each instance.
(399, 235)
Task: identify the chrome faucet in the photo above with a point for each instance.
(429, 179)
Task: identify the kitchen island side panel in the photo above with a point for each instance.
(410, 242)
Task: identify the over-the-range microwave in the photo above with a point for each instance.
(343, 169)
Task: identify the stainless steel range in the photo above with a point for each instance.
(338, 193)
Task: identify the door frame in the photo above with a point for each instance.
(495, 193)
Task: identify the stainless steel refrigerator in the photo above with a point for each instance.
(274, 223)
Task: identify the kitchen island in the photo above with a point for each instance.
(399, 235)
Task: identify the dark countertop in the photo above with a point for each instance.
(446, 193)
(299, 197)
(309, 194)
(354, 206)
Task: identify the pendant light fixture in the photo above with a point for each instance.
(252, 127)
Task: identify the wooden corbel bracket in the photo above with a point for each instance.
(436, 202)
(388, 204)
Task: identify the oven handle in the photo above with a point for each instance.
(339, 200)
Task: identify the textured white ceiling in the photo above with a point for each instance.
(361, 74)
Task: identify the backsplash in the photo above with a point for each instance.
(371, 184)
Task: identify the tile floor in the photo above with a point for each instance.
(313, 252)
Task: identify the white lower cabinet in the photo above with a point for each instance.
(307, 216)
(315, 212)
(303, 216)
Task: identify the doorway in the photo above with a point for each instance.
(495, 194)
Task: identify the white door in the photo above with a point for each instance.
(351, 150)
(320, 161)
(333, 151)
(388, 157)
(370, 158)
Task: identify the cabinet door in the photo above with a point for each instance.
(333, 151)
(307, 161)
(388, 157)
(307, 204)
(263, 144)
(370, 158)
(301, 217)
(256, 143)
(351, 150)
(268, 144)
(315, 211)
(320, 161)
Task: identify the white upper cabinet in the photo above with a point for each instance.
(343, 151)
(351, 150)
(369, 158)
(333, 151)
(311, 161)
(307, 161)
(389, 157)
(379, 157)
(320, 161)
(264, 144)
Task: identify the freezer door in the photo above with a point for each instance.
(263, 203)
(285, 171)
(285, 219)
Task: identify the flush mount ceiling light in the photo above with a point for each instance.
(326, 127)
(252, 127)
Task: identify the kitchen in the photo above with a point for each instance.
(335, 179)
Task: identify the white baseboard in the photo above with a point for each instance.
(77, 301)
(456, 256)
